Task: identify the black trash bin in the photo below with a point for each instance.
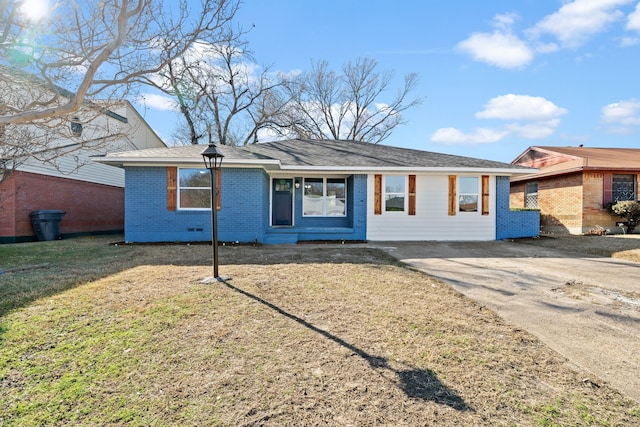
(46, 223)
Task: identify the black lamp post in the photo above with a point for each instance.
(212, 161)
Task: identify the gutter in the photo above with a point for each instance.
(276, 165)
(407, 169)
(190, 161)
(571, 170)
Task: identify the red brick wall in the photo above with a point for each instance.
(7, 206)
(90, 207)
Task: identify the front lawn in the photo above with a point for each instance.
(301, 335)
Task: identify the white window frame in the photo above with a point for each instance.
(180, 188)
(325, 197)
(461, 195)
(405, 195)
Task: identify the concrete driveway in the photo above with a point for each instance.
(586, 308)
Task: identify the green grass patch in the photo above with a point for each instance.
(30, 271)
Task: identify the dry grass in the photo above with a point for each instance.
(302, 335)
(621, 246)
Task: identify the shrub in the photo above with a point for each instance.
(628, 210)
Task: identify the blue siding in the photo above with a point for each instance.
(244, 212)
(513, 224)
(358, 207)
(353, 226)
(243, 215)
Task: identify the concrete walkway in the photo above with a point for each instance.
(585, 308)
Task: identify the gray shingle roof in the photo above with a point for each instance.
(362, 154)
(185, 152)
(322, 153)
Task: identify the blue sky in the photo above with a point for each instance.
(497, 76)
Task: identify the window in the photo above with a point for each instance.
(468, 194)
(194, 189)
(623, 187)
(394, 193)
(531, 195)
(464, 196)
(324, 197)
(76, 127)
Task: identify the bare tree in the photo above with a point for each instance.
(348, 105)
(63, 61)
(221, 92)
(95, 49)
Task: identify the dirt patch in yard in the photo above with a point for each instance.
(622, 246)
(301, 335)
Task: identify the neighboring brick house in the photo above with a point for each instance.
(574, 184)
(91, 194)
(305, 190)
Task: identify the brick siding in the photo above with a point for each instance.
(243, 215)
(571, 203)
(560, 202)
(594, 213)
(513, 224)
(90, 208)
(516, 198)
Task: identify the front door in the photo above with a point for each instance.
(282, 202)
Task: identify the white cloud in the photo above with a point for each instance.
(633, 20)
(158, 102)
(207, 52)
(629, 41)
(577, 21)
(520, 107)
(530, 117)
(620, 130)
(625, 113)
(268, 135)
(478, 136)
(537, 130)
(504, 21)
(545, 47)
(500, 49)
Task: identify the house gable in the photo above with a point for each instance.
(538, 157)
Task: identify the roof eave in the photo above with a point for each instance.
(572, 170)
(276, 165)
(406, 169)
(176, 161)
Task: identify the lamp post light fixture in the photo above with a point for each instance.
(212, 161)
